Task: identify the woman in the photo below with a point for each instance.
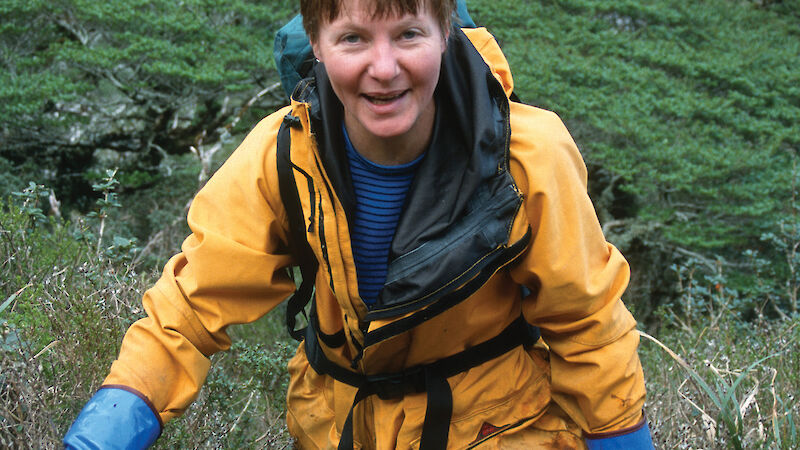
(443, 218)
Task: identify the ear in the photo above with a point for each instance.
(316, 50)
(445, 40)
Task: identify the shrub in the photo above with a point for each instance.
(64, 307)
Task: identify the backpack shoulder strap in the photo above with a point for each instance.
(298, 244)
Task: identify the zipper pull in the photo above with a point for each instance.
(293, 121)
(359, 353)
(356, 344)
(311, 202)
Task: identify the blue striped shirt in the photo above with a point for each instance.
(380, 195)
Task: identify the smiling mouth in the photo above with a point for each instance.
(383, 99)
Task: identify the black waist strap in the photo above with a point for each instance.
(430, 378)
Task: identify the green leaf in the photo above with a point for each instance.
(8, 301)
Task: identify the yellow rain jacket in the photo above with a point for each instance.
(582, 377)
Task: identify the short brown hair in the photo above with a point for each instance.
(315, 12)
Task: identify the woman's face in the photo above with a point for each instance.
(384, 70)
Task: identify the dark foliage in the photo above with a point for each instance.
(138, 80)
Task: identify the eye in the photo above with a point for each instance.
(409, 34)
(351, 38)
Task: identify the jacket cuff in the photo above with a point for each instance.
(636, 437)
(116, 417)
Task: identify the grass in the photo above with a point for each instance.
(64, 308)
(732, 386)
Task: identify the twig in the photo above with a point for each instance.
(749, 400)
(709, 424)
(205, 156)
(160, 235)
(54, 204)
(719, 372)
(242, 413)
(250, 103)
(777, 309)
(775, 429)
(711, 264)
(760, 421)
(10, 413)
(684, 326)
(790, 341)
(266, 433)
(46, 348)
(669, 351)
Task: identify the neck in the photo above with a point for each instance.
(395, 150)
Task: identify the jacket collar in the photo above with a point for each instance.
(465, 168)
(468, 143)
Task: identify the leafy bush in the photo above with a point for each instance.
(62, 327)
(137, 79)
(686, 113)
(242, 403)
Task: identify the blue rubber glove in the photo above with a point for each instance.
(114, 419)
(636, 439)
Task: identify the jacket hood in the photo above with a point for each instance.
(493, 56)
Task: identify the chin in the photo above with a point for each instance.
(389, 130)
(388, 133)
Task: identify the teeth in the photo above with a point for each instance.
(380, 100)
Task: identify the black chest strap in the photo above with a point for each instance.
(430, 378)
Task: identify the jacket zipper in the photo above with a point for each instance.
(323, 242)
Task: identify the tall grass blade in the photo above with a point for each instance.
(7, 302)
(13, 297)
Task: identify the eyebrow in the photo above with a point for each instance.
(407, 22)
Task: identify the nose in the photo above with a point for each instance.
(383, 65)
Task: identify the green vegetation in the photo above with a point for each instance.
(686, 112)
(69, 293)
(87, 84)
(715, 380)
